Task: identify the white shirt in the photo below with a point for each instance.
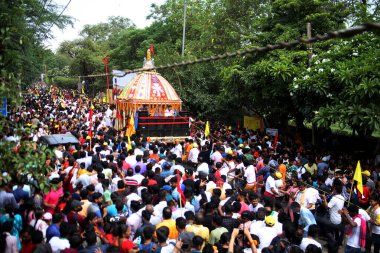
(250, 174)
(131, 160)
(193, 155)
(177, 150)
(216, 157)
(168, 248)
(306, 241)
(138, 178)
(254, 209)
(159, 208)
(203, 167)
(270, 183)
(335, 205)
(256, 226)
(57, 244)
(266, 235)
(353, 240)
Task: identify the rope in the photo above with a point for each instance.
(345, 33)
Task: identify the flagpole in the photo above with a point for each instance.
(349, 198)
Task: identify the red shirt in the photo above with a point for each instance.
(26, 248)
(126, 246)
(152, 182)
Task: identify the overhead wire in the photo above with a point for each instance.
(345, 33)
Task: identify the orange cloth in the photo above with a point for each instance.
(282, 170)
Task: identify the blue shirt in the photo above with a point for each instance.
(306, 218)
(51, 231)
(111, 210)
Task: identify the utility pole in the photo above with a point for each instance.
(184, 28)
(310, 57)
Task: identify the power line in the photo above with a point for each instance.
(345, 33)
(60, 14)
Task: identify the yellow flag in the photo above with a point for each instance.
(358, 178)
(92, 106)
(51, 88)
(131, 126)
(207, 129)
(82, 89)
(129, 143)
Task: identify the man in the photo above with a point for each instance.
(198, 229)
(254, 200)
(335, 205)
(311, 167)
(95, 206)
(139, 163)
(267, 232)
(52, 197)
(310, 239)
(356, 229)
(53, 229)
(228, 221)
(183, 235)
(218, 231)
(193, 155)
(270, 188)
(306, 217)
(169, 223)
(86, 203)
(169, 112)
(162, 238)
(6, 197)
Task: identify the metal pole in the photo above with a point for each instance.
(184, 28)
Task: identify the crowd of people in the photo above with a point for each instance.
(236, 190)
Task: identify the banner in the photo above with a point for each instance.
(254, 122)
(120, 82)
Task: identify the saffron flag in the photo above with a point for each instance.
(118, 115)
(275, 141)
(207, 129)
(131, 126)
(358, 178)
(129, 143)
(182, 198)
(151, 50)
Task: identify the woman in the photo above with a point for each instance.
(16, 221)
(8, 242)
(126, 246)
(291, 191)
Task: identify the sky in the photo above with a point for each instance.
(97, 11)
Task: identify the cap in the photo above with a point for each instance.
(166, 188)
(76, 203)
(47, 216)
(195, 145)
(270, 221)
(230, 152)
(88, 138)
(241, 145)
(105, 143)
(278, 175)
(366, 173)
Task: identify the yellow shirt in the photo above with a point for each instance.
(173, 233)
(85, 206)
(200, 231)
